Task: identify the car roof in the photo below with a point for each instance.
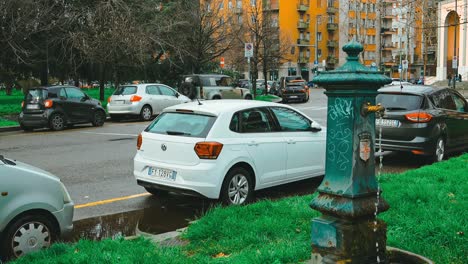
(52, 86)
(217, 107)
(207, 75)
(410, 88)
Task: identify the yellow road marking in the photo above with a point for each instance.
(111, 200)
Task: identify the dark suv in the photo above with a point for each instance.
(59, 106)
(424, 120)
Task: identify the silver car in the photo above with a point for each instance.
(143, 100)
(35, 209)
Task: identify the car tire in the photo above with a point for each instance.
(41, 231)
(26, 128)
(248, 97)
(146, 113)
(188, 89)
(57, 122)
(156, 192)
(307, 99)
(438, 153)
(238, 187)
(284, 101)
(99, 118)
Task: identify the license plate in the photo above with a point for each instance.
(118, 102)
(293, 96)
(162, 173)
(32, 106)
(387, 123)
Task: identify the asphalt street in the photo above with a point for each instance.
(96, 163)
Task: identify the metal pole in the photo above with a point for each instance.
(316, 42)
(455, 47)
(248, 62)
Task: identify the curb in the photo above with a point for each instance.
(9, 128)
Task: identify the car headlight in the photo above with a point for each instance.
(66, 195)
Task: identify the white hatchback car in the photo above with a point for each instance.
(143, 100)
(227, 149)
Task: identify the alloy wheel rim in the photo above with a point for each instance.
(30, 237)
(146, 113)
(57, 121)
(238, 189)
(440, 150)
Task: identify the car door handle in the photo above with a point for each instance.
(290, 141)
(252, 143)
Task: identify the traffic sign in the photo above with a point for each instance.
(455, 62)
(405, 64)
(248, 52)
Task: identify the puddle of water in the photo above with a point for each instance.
(169, 213)
(166, 214)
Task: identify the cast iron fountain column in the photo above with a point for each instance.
(348, 230)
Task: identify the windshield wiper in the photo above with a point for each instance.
(6, 161)
(395, 108)
(177, 133)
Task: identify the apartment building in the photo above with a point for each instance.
(391, 31)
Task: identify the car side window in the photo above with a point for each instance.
(290, 120)
(166, 90)
(255, 120)
(74, 93)
(444, 100)
(459, 103)
(62, 94)
(152, 89)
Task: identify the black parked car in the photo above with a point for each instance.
(295, 90)
(59, 106)
(424, 120)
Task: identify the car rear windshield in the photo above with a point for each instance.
(36, 94)
(405, 102)
(125, 90)
(182, 124)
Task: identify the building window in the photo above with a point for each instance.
(319, 19)
(239, 19)
(239, 4)
(221, 5)
(253, 2)
(293, 50)
(319, 53)
(319, 36)
(230, 4)
(308, 53)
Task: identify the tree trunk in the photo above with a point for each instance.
(101, 82)
(8, 87)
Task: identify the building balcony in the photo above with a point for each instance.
(303, 41)
(387, 31)
(301, 7)
(302, 25)
(303, 59)
(332, 26)
(389, 1)
(271, 5)
(237, 10)
(388, 61)
(388, 47)
(332, 10)
(431, 49)
(332, 60)
(332, 43)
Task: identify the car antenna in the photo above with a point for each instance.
(199, 103)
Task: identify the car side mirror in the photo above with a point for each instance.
(315, 127)
(177, 95)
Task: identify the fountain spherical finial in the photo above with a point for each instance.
(353, 48)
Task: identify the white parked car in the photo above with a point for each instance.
(143, 100)
(227, 149)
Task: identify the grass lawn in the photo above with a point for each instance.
(427, 216)
(10, 106)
